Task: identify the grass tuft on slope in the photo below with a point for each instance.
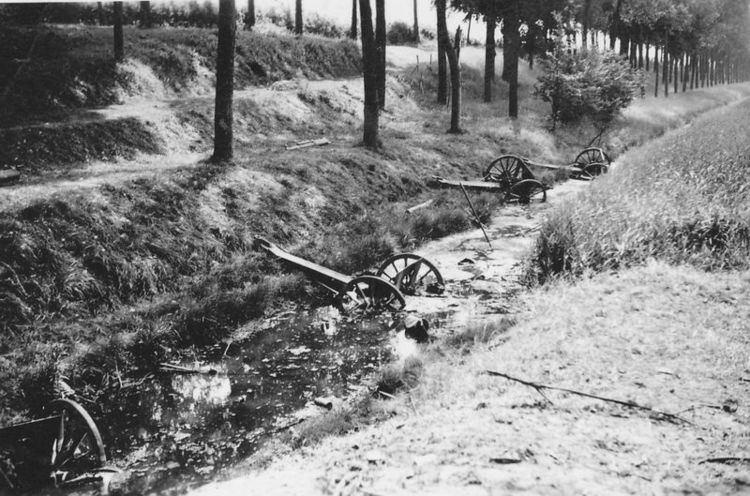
(683, 199)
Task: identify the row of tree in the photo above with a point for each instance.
(689, 43)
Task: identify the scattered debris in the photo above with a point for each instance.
(505, 461)
(326, 403)
(308, 143)
(9, 176)
(726, 459)
(466, 261)
(416, 328)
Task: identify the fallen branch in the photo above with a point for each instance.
(539, 387)
(726, 459)
(308, 143)
(179, 369)
(413, 209)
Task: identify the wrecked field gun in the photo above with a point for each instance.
(588, 164)
(63, 449)
(511, 176)
(399, 275)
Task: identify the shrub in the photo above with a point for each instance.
(399, 33)
(587, 83)
(321, 26)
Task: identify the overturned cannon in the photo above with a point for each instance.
(399, 275)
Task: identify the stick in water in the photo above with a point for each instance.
(476, 216)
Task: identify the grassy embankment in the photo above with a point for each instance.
(71, 72)
(122, 274)
(661, 319)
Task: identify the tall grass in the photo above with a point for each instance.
(684, 198)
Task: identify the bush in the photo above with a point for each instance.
(321, 26)
(399, 33)
(587, 83)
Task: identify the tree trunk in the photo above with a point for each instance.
(100, 13)
(489, 57)
(370, 63)
(585, 21)
(250, 16)
(693, 70)
(119, 41)
(531, 45)
(298, 24)
(442, 91)
(676, 73)
(452, 55)
(468, 31)
(353, 29)
(640, 55)
(505, 76)
(614, 26)
(223, 149)
(145, 14)
(656, 70)
(513, 39)
(648, 57)
(416, 24)
(665, 76)
(455, 64)
(380, 42)
(683, 69)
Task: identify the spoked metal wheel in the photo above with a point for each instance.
(412, 274)
(77, 447)
(593, 156)
(528, 191)
(371, 293)
(506, 169)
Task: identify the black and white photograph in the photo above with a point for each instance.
(375, 247)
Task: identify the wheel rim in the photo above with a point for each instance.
(77, 447)
(593, 169)
(528, 191)
(371, 293)
(412, 274)
(506, 169)
(592, 155)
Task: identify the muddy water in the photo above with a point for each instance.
(195, 418)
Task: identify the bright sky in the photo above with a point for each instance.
(340, 11)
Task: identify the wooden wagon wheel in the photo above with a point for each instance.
(506, 169)
(591, 170)
(528, 191)
(412, 274)
(365, 293)
(77, 446)
(590, 156)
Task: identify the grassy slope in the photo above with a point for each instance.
(683, 198)
(662, 336)
(72, 68)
